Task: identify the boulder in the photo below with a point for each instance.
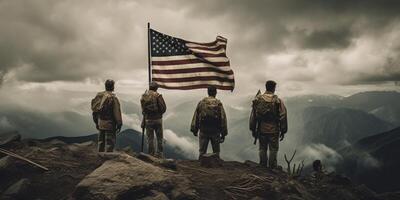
(6, 163)
(76, 147)
(8, 138)
(165, 163)
(124, 177)
(210, 160)
(19, 190)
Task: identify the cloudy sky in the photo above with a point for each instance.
(55, 55)
(307, 46)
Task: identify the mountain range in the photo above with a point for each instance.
(341, 126)
(374, 161)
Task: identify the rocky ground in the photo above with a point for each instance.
(76, 171)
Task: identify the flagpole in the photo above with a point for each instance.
(149, 50)
(149, 73)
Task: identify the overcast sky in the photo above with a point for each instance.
(55, 48)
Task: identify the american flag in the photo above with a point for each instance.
(183, 65)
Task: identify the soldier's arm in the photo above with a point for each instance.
(95, 117)
(161, 104)
(283, 117)
(224, 125)
(252, 120)
(194, 127)
(117, 111)
(141, 104)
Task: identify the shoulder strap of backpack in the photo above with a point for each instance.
(105, 97)
(277, 103)
(263, 97)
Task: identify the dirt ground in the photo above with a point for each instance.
(67, 165)
(215, 183)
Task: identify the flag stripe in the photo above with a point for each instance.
(200, 86)
(198, 78)
(191, 70)
(205, 55)
(218, 40)
(192, 83)
(187, 61)
(190, 66)
(185, 57)
(210, 48)
(197, 74)
(206, 46)
(214, 52)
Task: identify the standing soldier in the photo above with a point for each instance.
(268, 123)
(210, 119)
(153, 107)
(107, 117)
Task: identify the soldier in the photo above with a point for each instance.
(107, 117)
(210, 119)
(153, 108)
(268, 122)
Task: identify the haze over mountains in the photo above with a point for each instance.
(374, 161)
(320, 127)
(329, 120)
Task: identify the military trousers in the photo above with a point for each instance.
(106, 141)
(269, 144)
(204, 139)
(154, 127)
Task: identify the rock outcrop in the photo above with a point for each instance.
(210, 160)
(126, 177)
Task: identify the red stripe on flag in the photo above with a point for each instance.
(189, 61)
(210, 49)
(208, 43)
(200, 86)
(209, 55)
(200, 78)
(191, 70)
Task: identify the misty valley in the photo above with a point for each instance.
(357, 136)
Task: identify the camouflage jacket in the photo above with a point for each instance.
(196, 125)
(269, 126)
(160, 103)
(112, 117)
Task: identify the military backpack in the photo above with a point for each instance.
(102, 103)
(267, 108)
(149, 103)
(210, 114)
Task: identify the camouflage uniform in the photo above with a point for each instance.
(107, 123)
(153, 124)
(207, 134)
(269, 131)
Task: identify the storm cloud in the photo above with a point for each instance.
(297, 43)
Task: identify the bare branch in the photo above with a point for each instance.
(4, 151)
